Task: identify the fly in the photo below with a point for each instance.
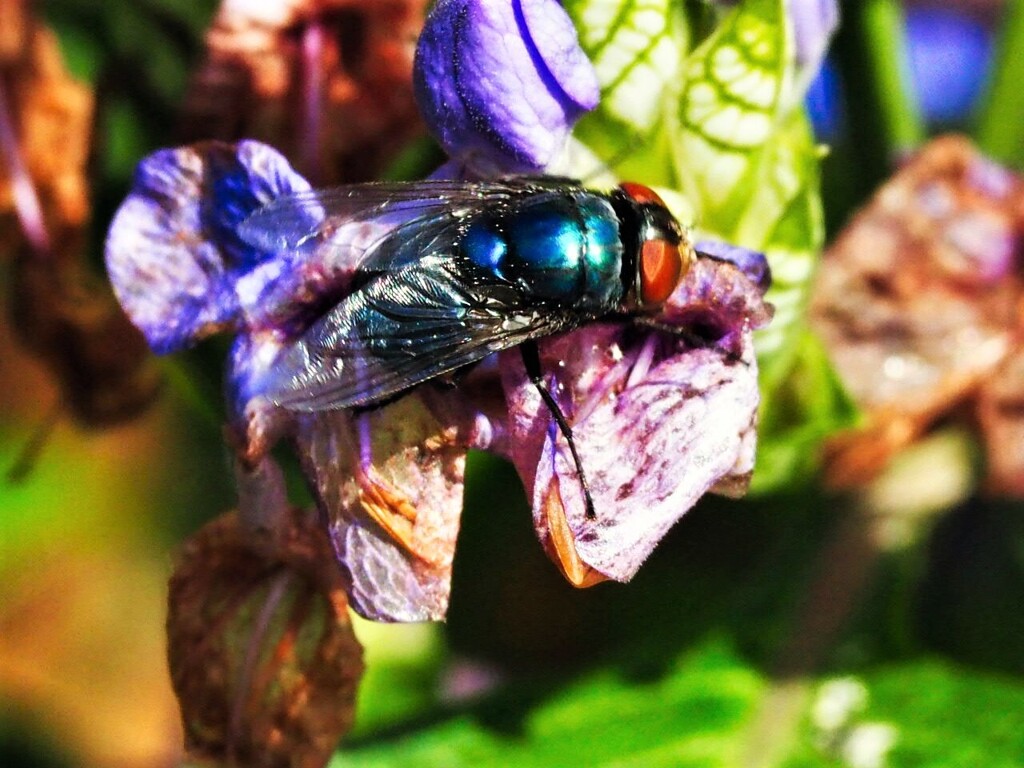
(463, 270)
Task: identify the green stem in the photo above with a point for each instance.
(998, 129)
(885, 43)
(182, 381)
(882, 114)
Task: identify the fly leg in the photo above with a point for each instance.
(531, 361)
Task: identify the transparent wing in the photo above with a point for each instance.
(289, 222)
(404, 327)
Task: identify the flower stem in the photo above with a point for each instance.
(998, 127)
(897, 103)
(883, 121)
(181, 379)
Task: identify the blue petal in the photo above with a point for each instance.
(824, 103)
(172, 251)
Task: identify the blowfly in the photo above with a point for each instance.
(460, 270)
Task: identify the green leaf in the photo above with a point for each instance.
(792, 240)
(729, 112)
(710, 709)
(922, 713)
(950, 716)
(637, 48)
(746, 158)
(998, 130)
(400, 681)
(805, 405)
(689, 717)
(884, 34)
(720, 124)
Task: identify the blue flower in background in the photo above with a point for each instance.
(501, 84)
(824, 103)
(950, 56)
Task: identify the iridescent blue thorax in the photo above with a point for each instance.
(563, 249)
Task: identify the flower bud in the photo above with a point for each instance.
(502, 84)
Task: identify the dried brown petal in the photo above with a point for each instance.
(52, 116)
(1001, 416)
(328, 82)
(917, 299)
(60, 310)
(262, 654)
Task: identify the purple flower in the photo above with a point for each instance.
(501, 84)
(173, 254)
(662, 413)
(814, 22)
(753, 264)
(659, 419)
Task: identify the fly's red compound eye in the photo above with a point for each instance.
(662, 245)
(661, 266)
(641, 194)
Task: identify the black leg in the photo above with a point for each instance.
(531, 360)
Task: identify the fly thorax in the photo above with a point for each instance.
(562, 249)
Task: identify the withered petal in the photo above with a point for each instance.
(261, 650)
(918, 303)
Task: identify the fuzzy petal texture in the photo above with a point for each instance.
(658, 419)
(502, 84)
(173, 253)
(752, 263)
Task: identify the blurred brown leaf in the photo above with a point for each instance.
(262, 653)
(919, 302)
(52, 122)
(328, 82)
(59, 308)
